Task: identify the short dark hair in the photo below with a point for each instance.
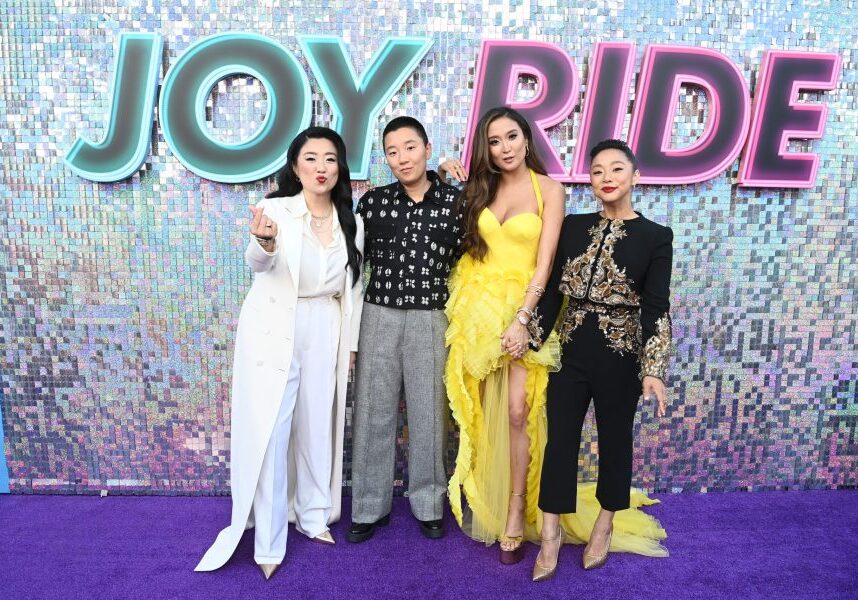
(614, 145)
(403, 122)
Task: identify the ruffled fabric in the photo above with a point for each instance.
(483, 300)
(634, 530)
(482, 304)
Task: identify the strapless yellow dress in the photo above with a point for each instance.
(484, 296)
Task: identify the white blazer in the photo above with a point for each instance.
(263, 353)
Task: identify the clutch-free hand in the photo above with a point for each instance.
(454, 168)
(653, 386)
(262, 227)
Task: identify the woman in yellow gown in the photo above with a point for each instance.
(512, 213)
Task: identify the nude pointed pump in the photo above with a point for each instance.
(268, 570)
(541, 573)
(593, 561)
(325, 538)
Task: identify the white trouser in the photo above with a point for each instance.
(305, 416)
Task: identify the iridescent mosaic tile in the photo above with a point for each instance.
(118, 301)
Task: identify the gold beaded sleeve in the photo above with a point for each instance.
(656, 335)
(534, 328)
(657, 350)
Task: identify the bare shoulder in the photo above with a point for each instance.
(552, 190)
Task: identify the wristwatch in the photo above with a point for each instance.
(522, 319)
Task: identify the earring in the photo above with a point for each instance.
(527, 151)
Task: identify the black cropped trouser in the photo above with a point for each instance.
(591, 370)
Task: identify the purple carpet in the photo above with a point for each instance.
(763, 544)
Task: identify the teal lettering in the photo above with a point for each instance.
(188, 84)
(123, 148)
(357, 102)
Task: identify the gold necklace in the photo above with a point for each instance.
(318, 222)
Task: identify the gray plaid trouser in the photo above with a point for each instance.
(399, 349)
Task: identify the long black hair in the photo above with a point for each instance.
(288, 184)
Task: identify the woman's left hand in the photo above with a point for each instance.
(454, 168)
(653, 386)
(515, 340)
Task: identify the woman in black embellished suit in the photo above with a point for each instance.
(612, 268)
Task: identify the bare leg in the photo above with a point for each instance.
(519, 452)
(599, 537)
(551, 541)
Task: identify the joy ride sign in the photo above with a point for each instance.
(760, 130)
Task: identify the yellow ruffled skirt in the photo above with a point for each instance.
(482, 304)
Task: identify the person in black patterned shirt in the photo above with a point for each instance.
(413, 234)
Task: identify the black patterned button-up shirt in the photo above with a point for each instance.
(410, 246)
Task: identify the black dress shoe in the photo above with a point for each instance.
(432, 529)
(361, 532)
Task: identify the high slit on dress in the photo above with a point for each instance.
(484, 297)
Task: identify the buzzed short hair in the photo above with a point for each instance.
(403, 122)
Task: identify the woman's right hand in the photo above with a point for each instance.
(514, 341)
(262, 227)
(454, 168)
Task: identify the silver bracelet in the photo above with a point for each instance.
(526, 311)
(521, 319)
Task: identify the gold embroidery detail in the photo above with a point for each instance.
(620, 325)
(594, 283)
(571, 321)
(534, 328)
(608, 283)
(622, 329)
(576, 273)
(656, 352)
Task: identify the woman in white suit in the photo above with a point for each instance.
(296, 340)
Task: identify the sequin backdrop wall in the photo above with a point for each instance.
(119, 301)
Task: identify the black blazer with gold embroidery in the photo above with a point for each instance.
(620, 270)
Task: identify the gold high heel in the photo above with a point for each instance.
(541, 573)
(325, 538)
(592, 561)
(268, 570)
(511, 557)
